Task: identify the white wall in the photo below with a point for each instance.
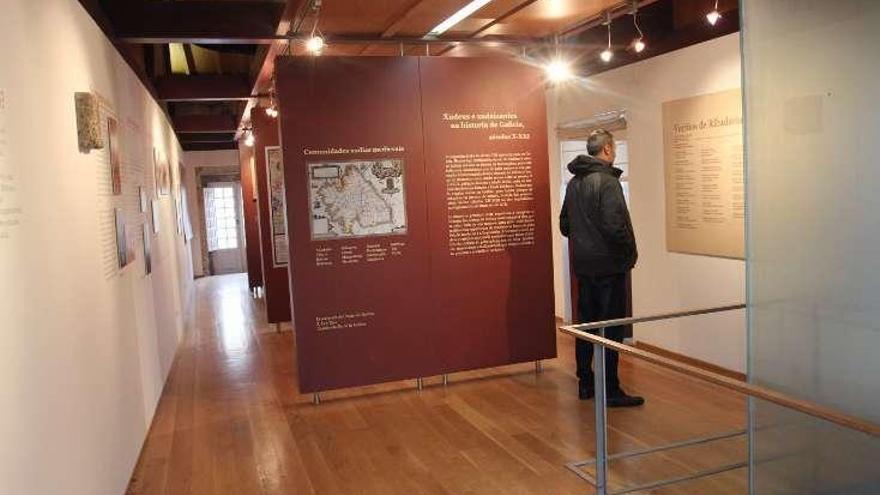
(662, 281)
(84, 353)
(193, 160)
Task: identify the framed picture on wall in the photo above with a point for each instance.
(142, 197)
(154, 209)
(184, 212)
(148, 248)
(115, 159)
(130, 244)
(277, 208)
(121, 238)
(162, 173)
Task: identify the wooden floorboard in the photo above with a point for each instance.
(231, 421)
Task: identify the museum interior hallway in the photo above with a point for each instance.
(230, 421)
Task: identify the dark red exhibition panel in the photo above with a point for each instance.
(422, 311)
(498, 306)
(330, 102)
(277, 281)
(253, 248)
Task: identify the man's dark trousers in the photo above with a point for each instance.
(601, 297)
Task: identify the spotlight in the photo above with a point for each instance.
(558, 71)
(315, 44)
(271, 111)
(639, 46)
(607, 54)
(713, 16)
(249, 139)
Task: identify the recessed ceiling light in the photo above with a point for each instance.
(457, 17)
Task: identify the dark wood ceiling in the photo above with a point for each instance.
(210, 62)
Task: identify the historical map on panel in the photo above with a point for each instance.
(357, 198)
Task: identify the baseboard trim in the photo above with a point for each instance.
(714, 368)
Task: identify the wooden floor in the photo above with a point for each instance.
(231, 422)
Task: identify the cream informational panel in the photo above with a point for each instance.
(703, 156)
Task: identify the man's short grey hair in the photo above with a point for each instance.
(597, 140)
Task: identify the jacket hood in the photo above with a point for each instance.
(585, 165)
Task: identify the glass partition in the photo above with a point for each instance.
(811, 82)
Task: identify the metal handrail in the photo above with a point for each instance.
(779, 398)
(658, 317)
(599, 342)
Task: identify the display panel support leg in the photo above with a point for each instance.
(420, 383)
(539, 366)
(445, 379)
(316, 398)
(601, 432)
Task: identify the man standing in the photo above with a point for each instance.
(596, 220)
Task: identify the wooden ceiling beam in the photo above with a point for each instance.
(193, 21)
(227, 145)
(292, 18)
(190, 60)
(396, 24)
(202, 88)
(206, 137)
(204, 123)
(503, 17)
(97, 13)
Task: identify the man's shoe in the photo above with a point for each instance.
(586, 393)
(619, 398)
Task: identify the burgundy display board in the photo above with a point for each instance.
(418, 208)
(252, 242)
(277, 281)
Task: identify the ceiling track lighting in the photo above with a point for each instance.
(714, 15)
(607, 54)
(638, 44)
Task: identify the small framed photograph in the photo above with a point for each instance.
(115, 159)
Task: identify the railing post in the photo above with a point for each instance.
(599, 387)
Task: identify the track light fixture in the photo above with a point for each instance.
(713, 16)
(315, 44)
(638, 43)
(272, 109)
(249, 138)
(607, 54)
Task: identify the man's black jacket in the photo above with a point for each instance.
(595, 218)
